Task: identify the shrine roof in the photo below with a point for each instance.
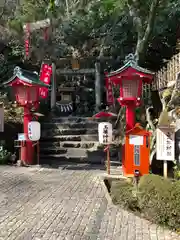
(131, 64)
(137, 129)
(26, 76)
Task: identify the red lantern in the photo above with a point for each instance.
(130, 78)
(26, 86)
(26, 95)
(130, 89)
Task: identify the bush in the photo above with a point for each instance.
(4, 157)
(157, 199)
(155, 196)
(122, 194)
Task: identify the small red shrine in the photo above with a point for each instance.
(136, 152)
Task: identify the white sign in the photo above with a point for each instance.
(21, 136)
(135, 140)
(165, 144)
(34, 131)
(105, 133)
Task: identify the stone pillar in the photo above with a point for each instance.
(53, 87)
(98, 91)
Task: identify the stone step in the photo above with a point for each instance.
(63, 138)
(71, 151)
(115, 163)
(114, 170)
(58, 158)
(70, 125)
(51, 150)
(74, 120)
(58, 132)
(70, 144)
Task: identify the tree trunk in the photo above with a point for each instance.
(143, 35)
(98, 91)
(53, 87)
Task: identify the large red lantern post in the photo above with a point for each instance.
(130, 78)
(26, 86)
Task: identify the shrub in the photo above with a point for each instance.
(4, 157)
(157, 199)
(122, 193)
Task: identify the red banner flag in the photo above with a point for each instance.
(27, 40)
(45, 77)
(109, 91)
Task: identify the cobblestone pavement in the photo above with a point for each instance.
(57, 204)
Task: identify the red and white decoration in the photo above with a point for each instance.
(45, 77)
(65, 107)
(109, 91)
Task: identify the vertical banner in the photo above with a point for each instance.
(45, 77)
(109, 91)
(27, 40)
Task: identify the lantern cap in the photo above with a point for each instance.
(131, 64)
(104, 114)
(25, 77)
(130, 70)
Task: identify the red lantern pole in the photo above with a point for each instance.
(29, 152)
(130, 115)
(23, 152)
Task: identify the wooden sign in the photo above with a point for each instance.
(105, 133)
(165, 143)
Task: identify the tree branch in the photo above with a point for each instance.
(136, 18)
(143, 35)
(3, 9)
(151, 21)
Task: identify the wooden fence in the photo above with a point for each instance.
(167, 74)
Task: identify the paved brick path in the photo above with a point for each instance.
(65, 204)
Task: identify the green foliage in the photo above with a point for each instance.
(157, 199)
(4, 154)
(103, 27)
(121, 193)
(177, 171)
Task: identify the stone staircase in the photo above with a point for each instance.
(71, 140)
